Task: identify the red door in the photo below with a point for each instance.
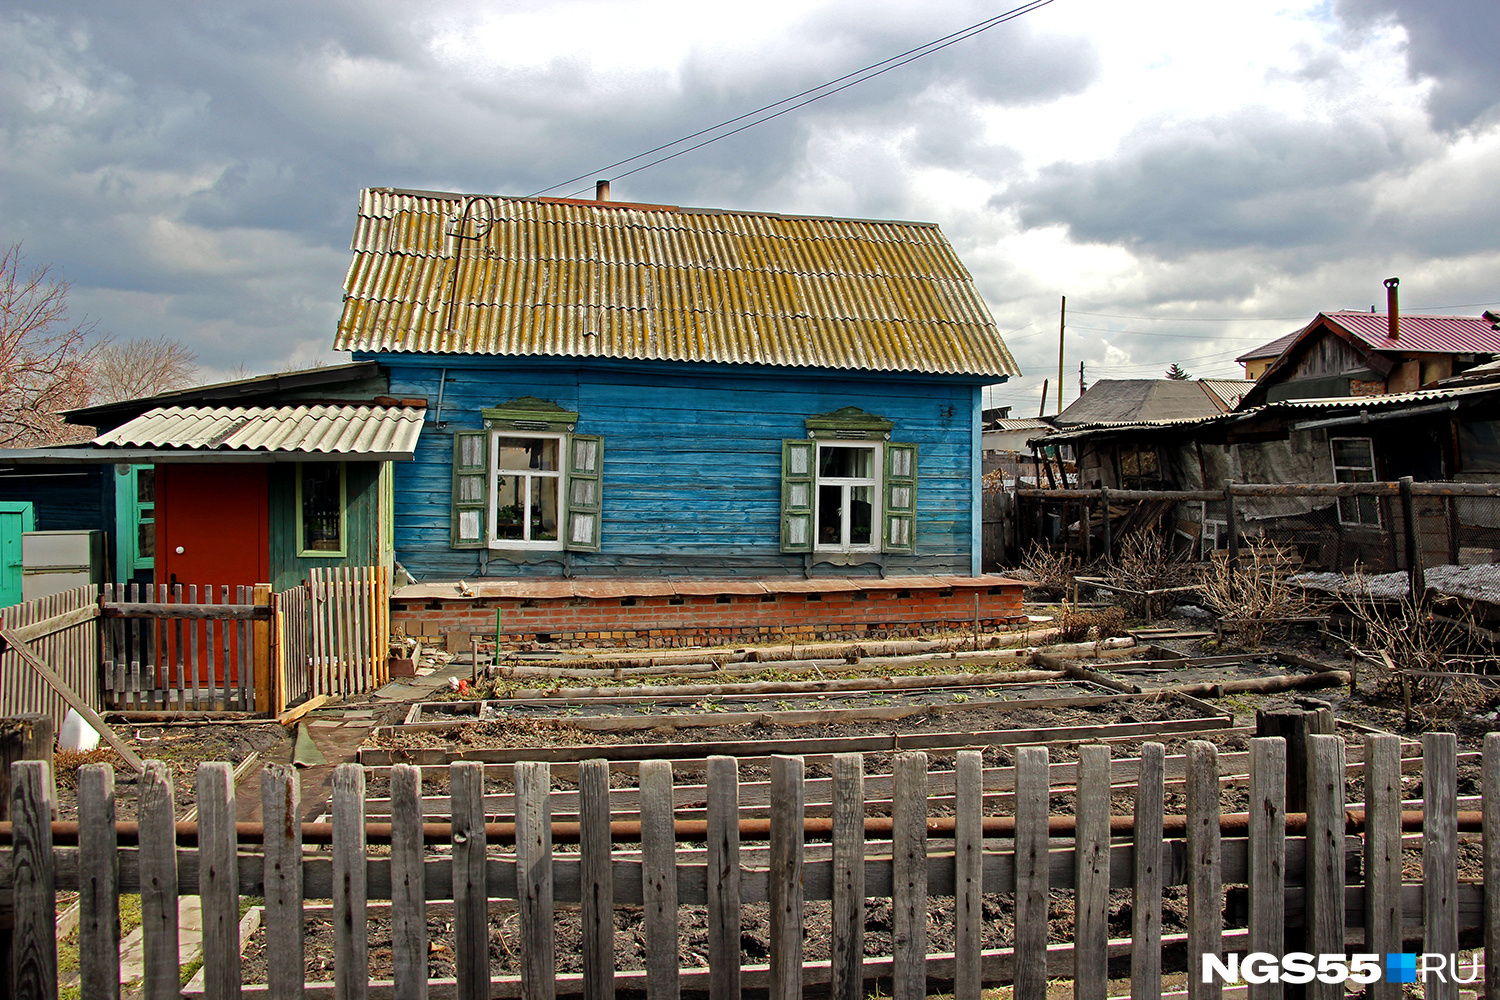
(212, 525)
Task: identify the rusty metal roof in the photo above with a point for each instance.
(355, 432)
(1437, 334)
(454, 274)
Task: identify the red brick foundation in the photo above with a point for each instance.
(658, 613)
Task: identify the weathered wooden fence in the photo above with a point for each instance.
(175, 652)
(291, 655)
(63, 630)
(350, 623)
(1295, 871)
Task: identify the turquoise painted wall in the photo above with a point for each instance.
(691, 462)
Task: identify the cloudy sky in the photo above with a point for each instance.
(1197, 178)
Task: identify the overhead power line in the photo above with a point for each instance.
(802, 99)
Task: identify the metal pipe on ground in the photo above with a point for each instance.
(65, 833)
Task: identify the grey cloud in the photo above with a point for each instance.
(1451, 42)
(1247, 180)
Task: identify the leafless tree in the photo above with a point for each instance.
(142, 367)
(46, 362)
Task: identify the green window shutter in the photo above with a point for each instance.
(900, 533)
(471, 478)
(585, 486)
(797, 495)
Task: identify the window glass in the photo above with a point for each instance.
(510, 507)
(322, 515)
(543, 510)
(534, 454)
(846, 463)
(861, 515)
(145, 532)
(145, 485)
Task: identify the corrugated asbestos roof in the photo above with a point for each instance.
(1228, 390)
(1019, 424)
(1420, 396)
(650, 282)
(1440, 334)
(325, 430)
(1140, 399)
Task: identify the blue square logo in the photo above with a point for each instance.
(1400, 967)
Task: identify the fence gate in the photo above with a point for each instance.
(350, 627)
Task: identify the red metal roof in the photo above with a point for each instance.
(1440, 334)
(1273, 349)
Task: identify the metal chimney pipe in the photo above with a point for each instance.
(1392, 309)
(601, 190)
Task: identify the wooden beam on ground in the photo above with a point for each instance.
(291, 715)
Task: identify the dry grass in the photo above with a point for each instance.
(1258, 591)
(65, 763)
(1079, 625)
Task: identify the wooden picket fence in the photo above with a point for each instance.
(165, 649)
(349, 613)
(1294, 867)
(63, 630)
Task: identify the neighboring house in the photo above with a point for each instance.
(1149, 399)
(1449, 433)
(1367, 354)
(1257, 361)
(1002, 437)
(239, 483)
(623, 390)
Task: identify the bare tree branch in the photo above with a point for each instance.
(142, 367)
(46, 363)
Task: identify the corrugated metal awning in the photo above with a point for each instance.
(356, 433)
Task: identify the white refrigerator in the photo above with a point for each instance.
(55, 561)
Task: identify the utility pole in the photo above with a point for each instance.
(1082, 388)
(1042, 412)
(1062, 326)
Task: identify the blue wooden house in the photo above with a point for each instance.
(625, 390)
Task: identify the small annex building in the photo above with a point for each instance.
(625, 393)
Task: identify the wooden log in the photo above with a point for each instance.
(597, 885)
(219, 883)
(470, 886)
(408, 898)
(847, 934)
(1267, 855)
(1295, 726)
(1440, 856)
(1204, 876)
(1146, 885)
(1326, 852)
(1091, 900)
(724, 877)
(1383, 860)
(659, 881)
(351, 943)
(99, 898)
(534, 882)
(285, 936)
(785, 877)
(968, 874)
(909, 877)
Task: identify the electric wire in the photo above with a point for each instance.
(855, 77)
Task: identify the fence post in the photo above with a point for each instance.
(1416, 575)
(262, 655)
(597, 880)
(1325, 855)
(659, 881)
(1091, 860)
(1109, 530)
(1491, 840)
(471, 912)
(24, 737)
(847, 947)
(1032, 873)
(534, 890)
(909, 876)
(723, 880)
(1294, 725)
(1440, 854)
(1383, 854)
(34, 959)
(786, 893)
(1232, 525)
(1146, 886)
(1267, 861)
(1205, 887)
(99, 884)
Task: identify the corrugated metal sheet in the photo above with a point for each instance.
(328, 430)
(644, 282)
(1022, 424)
(1441, 334)
(1228, 390)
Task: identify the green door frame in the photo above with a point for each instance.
(11, 529)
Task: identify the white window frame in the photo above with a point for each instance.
(876, 483)
(557, 476)
(1356, 503)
